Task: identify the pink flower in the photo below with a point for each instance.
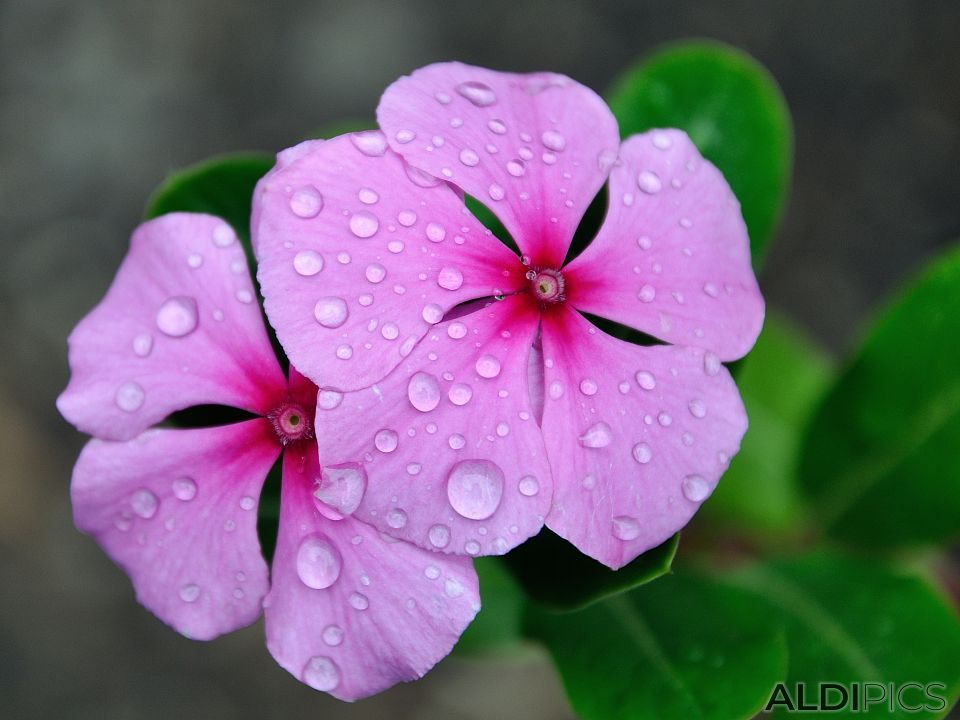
(347, 611)
(477, 422)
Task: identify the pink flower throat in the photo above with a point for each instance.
(291, 423)
(547, 285)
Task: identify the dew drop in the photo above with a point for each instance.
(553, 140)
(368, 196)
(144, 503)
(340, 489)
(528, 486)
(432, 313)
(318, 562)
(189, 592)
(625, 528)
(396, 519)
(456, 330)
(642, 453)
(177, 316)
(386, 440)
(364, 224)
(375, 272)
(247, 503)
(588, 386)
(649, 182)
(332, 635)
(306, 202)
(450, 278)
(598, 435)
(460, 393)
(359, 601)
(697, 408)
(321, 673)
(456, 441)
(329, 399)
(371, 143)
(184, 489)
(516, 168)
(439, 536)
(711, 363)
(647, 293)
(477, 93)
(646, 380)
(695, 488)
(435, 232)
(390, 331)
(331, 312)
(488, 366)
(453, 587)
(142, 344)
(496, 192)
(497, 127)
(308, 262)
(474, 488)
(130, 396)
(423, 391)
(469, 158)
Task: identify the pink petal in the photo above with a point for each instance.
(448, 443)
(673, 257)
(351, 612)
(534, 148)
(637, 436)
(358, 260)
(177, 510)
(180, 326)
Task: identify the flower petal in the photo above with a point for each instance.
(449, 444)
(673, 257)
(351, 612)
(534, 148)
(637, 436)
(358, 260)
(177, 510)
(180, 326)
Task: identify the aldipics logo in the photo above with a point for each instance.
(909, 697)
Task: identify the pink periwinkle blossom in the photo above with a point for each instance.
(347, 610)
(462, 380)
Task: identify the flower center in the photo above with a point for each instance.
(547, 284)
(291, 423)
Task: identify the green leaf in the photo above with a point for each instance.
(781, 381)
(222, 186)
(553, 573)
(682, 648)
(853, 620)
(881, 461)
(497, 625)
(733, 111)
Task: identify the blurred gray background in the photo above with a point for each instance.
(99, 100)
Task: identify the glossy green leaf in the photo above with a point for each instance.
(497, 625)
(222, 186)
(781, 381)
(851, 620)
(554, 574)
(732, 109)
(881, 461)
(682, 648)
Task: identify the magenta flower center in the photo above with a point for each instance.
(291, 423)
(547, 285)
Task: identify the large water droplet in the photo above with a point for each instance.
(439, 536)
(488, 366)
(144, 503)
(185, 489)
(331, 312)
(553, 140)
(130, 396)
(177, 316)
(340, 489)
(695, 488)
(432, 313)
(477, 93)
(598, 435)
(516, 168)
(318, 562)
(469, 158)
(364, 224)
(457, 330)
(649, 182)
(307, 262)
(646, 380)
(306, 202)
(460, 393)
(386, 440)
(625, 528)
(642, 453)
(321, 673)
(435, 232)
(474, 488)
(450, 278)
(423, 390)
(375, 272)
(372, 143)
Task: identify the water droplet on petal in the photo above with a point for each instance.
(649, 182)
(329, 399)
(598, 435)
(386, 441)
(189, 592)
(456, 330)
(432, 572)
(625, 528)
(432, 313)
(306, 202)
(528, 486)
(516, 168)
(368, 196)
(331, 312)
(423, 391)
(144, 503)
(456, 441)
(375, 272)
(497, 126)
(372, 143)
(359, 601)
(435, 232)
(308, 263)
(247, 503)
(477, 93)
(453, 587)
(185, 489)
(405, 136)
(469, 158)
(340, 489)
(396, 518)
(695, 488)
(662, 141)
(588, 386)
(460, 393)
(474, 488)
(177, 316)
(711, 363)
(439, 536)
(406, 217)
(647, 293)
(697, 408)
(321, 673)
(332, 635)
(143, 344)
(553, 140)
(130, 396)
(364, 224)
(646, 380)
(488, 366)
(450, 278)
(318, 562)
(496, 192)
